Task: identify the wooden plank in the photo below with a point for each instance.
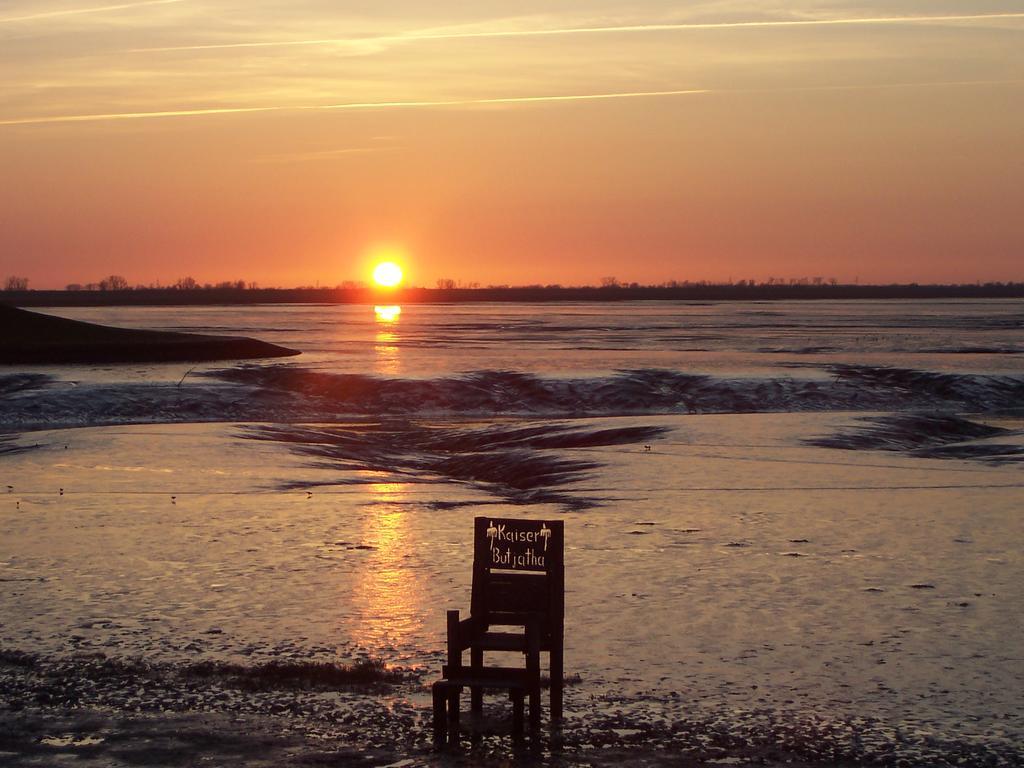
(516, 592)
(496, 683)
(502, 641)
(485, 672)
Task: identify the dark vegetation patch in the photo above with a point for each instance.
(284, 393)
(76, 678)
(479, 392)
(17, 658)
(516, 463)
(926, 436)
(11, 384)
(976, 350)
(19, 382)
(298, 674)
(9, 445)
(768, 738)
(927, 389)
(92, 710)
(995, 453)
(168, 739)
(853, 387)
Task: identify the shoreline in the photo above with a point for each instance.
(31, 338)
(505, 294)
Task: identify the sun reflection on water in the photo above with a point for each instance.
(386, 340)
(387, 597)
(387, 314)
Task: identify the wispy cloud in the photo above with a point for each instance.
(348, 105)
(368, 105)
(412, 37)
(878, 86)
(80, 11)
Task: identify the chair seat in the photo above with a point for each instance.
(445, 694)
(501, 641)
(487, 677)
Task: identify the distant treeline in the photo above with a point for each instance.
(239, 293)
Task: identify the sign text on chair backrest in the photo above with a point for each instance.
(520, 545)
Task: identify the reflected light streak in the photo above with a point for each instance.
(387, 596)
(388, 314)
(387, 361)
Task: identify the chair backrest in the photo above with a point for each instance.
(518, 571)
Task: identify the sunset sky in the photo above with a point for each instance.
(499, 142)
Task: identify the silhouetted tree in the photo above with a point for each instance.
(113, 283)
(14, 283)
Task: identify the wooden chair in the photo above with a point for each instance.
(517, 681)
(518, 598)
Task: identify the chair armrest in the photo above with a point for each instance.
(461, 635)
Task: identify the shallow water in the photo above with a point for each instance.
(733, 570)
(723, 338)
(729, 556)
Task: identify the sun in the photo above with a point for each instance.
(387, 274)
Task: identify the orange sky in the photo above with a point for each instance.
(723, 139)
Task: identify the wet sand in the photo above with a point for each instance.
(751, 598)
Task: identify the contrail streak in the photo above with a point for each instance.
(78, 11)
(473, 102)
(140, 115)
(875, 86)
(420, 36)
(349, 105)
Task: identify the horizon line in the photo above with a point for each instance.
(367, 287)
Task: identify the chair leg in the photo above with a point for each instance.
(440, 698)
(556, 685)
(476, 695)
(453, 716)
(517, 712)
(535, 707)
